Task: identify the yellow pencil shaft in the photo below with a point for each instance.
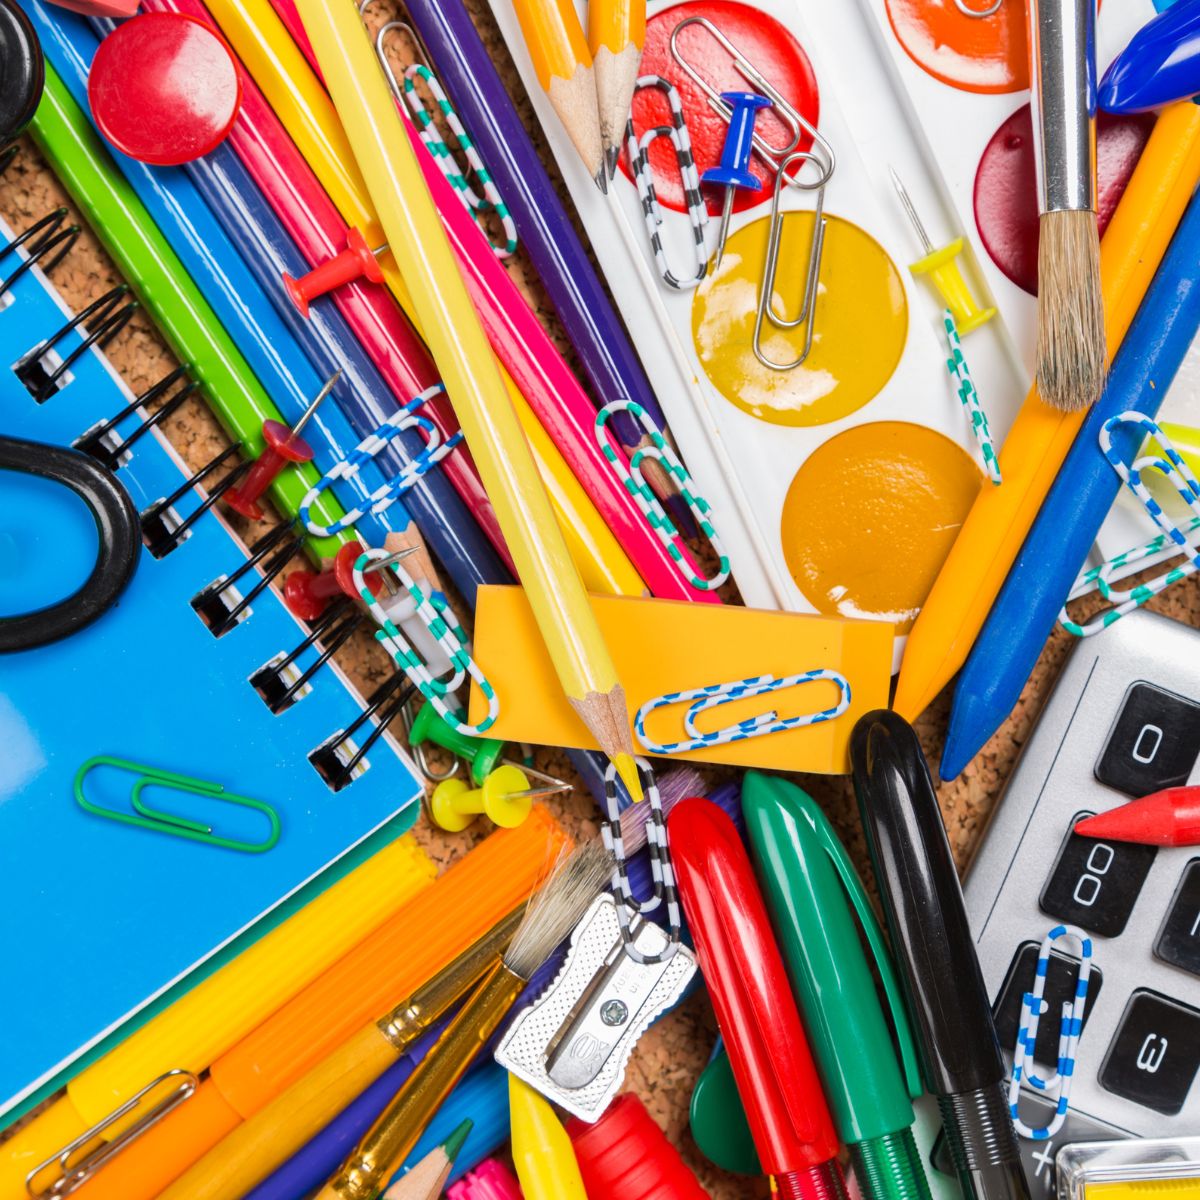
(554, 37)
(615, 24)
(542, 1152)
(460, 347)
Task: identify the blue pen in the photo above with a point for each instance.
(1058, 544)
(1160, 65)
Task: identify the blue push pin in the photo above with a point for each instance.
(734, 171)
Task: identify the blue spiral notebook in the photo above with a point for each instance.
(100, 918)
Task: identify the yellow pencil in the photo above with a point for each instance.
(616, 35)
(565, 70)
(460, 348)
(541, 1150)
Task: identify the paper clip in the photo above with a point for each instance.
(717, 694)
(816, 248)
(635, 484)
(661, 870)
(793, 120)
(967, 11)
(388, 493)
(1171, 465)
(964, 387)
(145, 817)
(476, 205)
(1032, 1007)
(74, 1176)
(446, 632)
(643, 176)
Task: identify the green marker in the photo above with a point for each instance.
(813, 893)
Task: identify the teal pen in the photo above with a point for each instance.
(813, 894)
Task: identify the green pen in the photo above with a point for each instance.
(813, 893)
(190, 326)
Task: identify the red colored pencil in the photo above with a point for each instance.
(1167, 818)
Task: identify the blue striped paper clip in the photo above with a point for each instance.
(1058, 1086)
(702, 699)
(1170, 464)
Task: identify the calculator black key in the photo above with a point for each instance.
(1156, 1053)
(1060, 988)
(1179, 939)
(1154, 743)
(1095, 884)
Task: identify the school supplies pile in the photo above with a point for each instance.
(860, 344)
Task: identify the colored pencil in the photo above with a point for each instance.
(1167, 818)
(1058, 543)
(542, 1152)
(564, 69)
(460, 348)
(986, 547)
(616, 34)
(426, 1180)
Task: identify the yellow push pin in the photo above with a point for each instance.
(505, 798)
(942, 268)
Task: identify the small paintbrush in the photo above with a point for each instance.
(553, 911)
(1062, 68)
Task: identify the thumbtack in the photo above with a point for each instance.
(307, 593)
(943, 270)
(505, 797)
(734, 170)
(284, 446)
(483, 754)
(357, 260)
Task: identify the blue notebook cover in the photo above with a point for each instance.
(110, 914)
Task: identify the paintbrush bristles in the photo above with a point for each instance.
(558, 905)
(1071, 343)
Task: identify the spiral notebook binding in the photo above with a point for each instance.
(43, 236)
(339, 760)
(163, 530)
(103, 443)
(221, 605)
(43, 371)
(280, 683)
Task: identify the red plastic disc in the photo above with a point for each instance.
(164, 88)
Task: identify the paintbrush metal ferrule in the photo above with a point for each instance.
(1062, 56)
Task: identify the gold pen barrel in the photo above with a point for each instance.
(400, 1125)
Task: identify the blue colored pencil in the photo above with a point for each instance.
(1058, 544)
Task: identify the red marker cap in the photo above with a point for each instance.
(752, 997)
(164, 88)
(1167, 818)
(626, 1154)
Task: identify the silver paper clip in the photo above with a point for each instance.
(791, 117)
(1170, 463)
(967, 11)
(599, 1005)
(639, 163)
(73, 1175)
(703, 698)
(816, 249)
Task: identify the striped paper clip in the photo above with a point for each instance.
(638, 150)
(702, 699)
(635, 484)
(1169, 463)
(478, 206)
(436, 614)
(964, 388)
(661, 871)
(388, 493)
(1033, 1005)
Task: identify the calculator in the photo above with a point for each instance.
(1123, 721)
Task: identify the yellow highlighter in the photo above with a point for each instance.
(541, 1150)
(941, 267)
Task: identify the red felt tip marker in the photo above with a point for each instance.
(748, 984)
(1167, 818)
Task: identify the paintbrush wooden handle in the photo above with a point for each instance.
(273, 1134)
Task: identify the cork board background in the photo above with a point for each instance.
(671, 1055)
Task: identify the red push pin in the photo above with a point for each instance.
(284, 446)
(307, 593)
(356, 260)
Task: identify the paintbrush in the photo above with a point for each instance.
(1062, 71)
(553, 911)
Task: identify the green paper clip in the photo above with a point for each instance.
(146, 817)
